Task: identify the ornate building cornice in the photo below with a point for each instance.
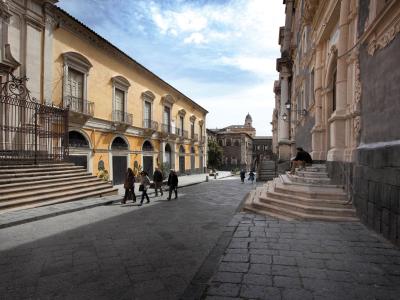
(380, 42)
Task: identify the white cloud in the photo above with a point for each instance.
(196, 38)
(262, 66)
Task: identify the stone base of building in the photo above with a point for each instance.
(373, 184)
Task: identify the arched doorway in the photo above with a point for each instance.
(168, 157)
(181, 160)
(148, 150)
(192, 160)
(79, 149)
(119, 149)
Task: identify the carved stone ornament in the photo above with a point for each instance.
(357, 126)
(148, 96)
(168, 100)
(192, 118)
(4, 11)
(357, 84)
(384, 40)
(182, 112)
(201, 122)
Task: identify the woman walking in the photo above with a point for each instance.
(129, 186)
(144, 185)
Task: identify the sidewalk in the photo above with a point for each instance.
(13, 218)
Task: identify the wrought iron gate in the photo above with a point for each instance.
(30, 132)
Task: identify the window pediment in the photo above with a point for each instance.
(182, 112)
(192, 118)
(201, 122)
(77, 61)
(148, 96)
(121, 82)
(168, 100)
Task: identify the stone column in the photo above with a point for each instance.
(317, 131)
(337, 121)
(283, 132)
(50, 24)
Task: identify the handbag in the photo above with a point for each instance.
(141, 188)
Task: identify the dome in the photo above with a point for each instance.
(248, 121)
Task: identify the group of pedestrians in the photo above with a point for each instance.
(130, 179)
(243, 176)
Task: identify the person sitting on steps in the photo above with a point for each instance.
(302, 159)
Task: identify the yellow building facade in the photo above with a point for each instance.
(120, 113)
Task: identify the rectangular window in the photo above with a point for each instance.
(201, 132)
(181, 124)
(192, 130)
(167, 118)
(75, 89)
(147, 114)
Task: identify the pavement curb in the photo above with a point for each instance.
(83, 207)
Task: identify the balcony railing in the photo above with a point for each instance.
(202, 139)
(183, 133)
(150, 124)
(79, 105)
(120, 116)
(195, 137)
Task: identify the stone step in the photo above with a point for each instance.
(286, 180)
(311, 192)
(309, 209)
(308, 180)
(315, 169)
(35, 174)
(34, 166)
(329, 203)
(12, 194)
(72, 194)
(82, 195)
(41, 169)
(11, 182)
(289, 213)
(312, 174)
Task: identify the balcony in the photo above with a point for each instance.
(80, 110)
(168, 130)
(121, 119)
(183, 134)
(202, 139)
(149, 126)
(195, 137)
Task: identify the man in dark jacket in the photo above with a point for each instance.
(173, 184)
(158, 180)
(302, 159)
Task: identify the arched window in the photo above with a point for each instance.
(77, 140)
(147, 146)
(119, 144)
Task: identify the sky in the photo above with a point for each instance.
(219, 53)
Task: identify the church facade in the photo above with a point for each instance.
(337, 97)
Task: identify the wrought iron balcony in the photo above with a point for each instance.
(167, 128)
(203, 139)
(183, 134)
(120, 116)
(150, 124)
(195, 137)
(79, 105)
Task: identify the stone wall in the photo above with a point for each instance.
(376, 172)
(303, 136)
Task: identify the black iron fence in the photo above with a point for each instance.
(30, 132)
(150, 124)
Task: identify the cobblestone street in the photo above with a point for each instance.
(196, 247)
(118, 252)
(271, 259)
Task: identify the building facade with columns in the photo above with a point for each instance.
(337, 97)
(120, 113)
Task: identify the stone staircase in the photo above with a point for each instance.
(306, 195)
(266, 171)
(28, 186)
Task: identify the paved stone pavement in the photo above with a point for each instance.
(274, 259)
(118, 252)
(12, 218)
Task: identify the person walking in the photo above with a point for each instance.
(144, 185)
(242, 175)
(173, 184)
(158, 180)
(251, 177)
(129, 186)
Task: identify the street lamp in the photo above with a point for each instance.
(300, 111)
